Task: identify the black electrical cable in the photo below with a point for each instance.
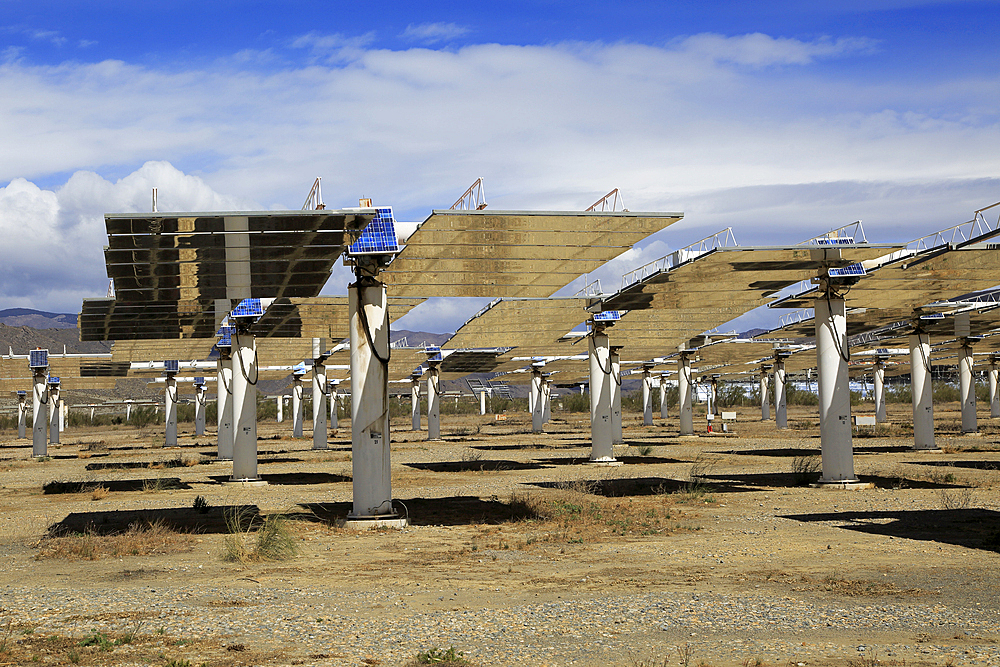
(844, 350)
(243, 370)
(367, 329)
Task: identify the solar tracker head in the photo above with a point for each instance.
(21, 394)
(225, 334)
(199, 382)
(171, 366)
(248, 311)
(38, 359)
(378, 242)
(299, 370)
(53, 381)
(433, 353)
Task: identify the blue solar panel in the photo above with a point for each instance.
(38, 359)
(608, 316)
(379, 237)
(299, 369)
(199, 381)
(21, 392)
(852, 270)
(225, 336)
(248, 308)
(433, 352)
(172, 366)
(53, 380)
(933, 316)
(840, 240)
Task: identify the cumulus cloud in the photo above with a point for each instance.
(759, 50)
(432, 33)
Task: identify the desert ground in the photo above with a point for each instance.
(705, 550)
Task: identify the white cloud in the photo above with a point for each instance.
(759, 50)
(432, 33)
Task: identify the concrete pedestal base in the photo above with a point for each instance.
(246, 483)
(605, 464)
(847, 486)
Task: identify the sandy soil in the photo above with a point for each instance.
(911, 563)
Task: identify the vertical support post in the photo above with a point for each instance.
(92, 409)
(684, 394)
(39, 413)
(415, 401)
(663, 396)
(22, 409)
(880, 416)
(170, 412)
(279, 406)
(370, 458)
(54, 414)
(994, 395)
(715, 396)
(200, 402)
(334, 417)
(601, 382)
(967, 388)
(547, 395)
(128, 409)
(224, 404)
(297, 408)
(780, 396)
(433, 402)
(616, 396)
(320, 435)
(920, 388)
(834, 391)
(765, 402)
(538, 401)
(482, 402)
(63, 414)
(647, 398)
(245, 375)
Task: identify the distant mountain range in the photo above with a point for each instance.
(36, 319)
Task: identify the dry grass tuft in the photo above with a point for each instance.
(272, 540)
(99, 492)
(138, 540)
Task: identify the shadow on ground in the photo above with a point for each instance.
(181, 519)
(972, 528)
(974, 465)
(152, 484)
(627, 460)
(474, 466)
(293, 478)
(641, 486)
(451, 511)
(809, 451)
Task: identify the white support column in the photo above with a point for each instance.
(765, 396)
(601, 390)
(279, 406)
(54, 414)
(967, 389)
(920, 387)
(547, 400)
(834, 391)
(433, 402)
(370, 458)
(684, 388)
(415, 401)
(128, 409)
(22, 409)
(616, 396)
(92, 409)
(224, 404)
(63, 415)
(320, 435)
(663, 396)
(537, 402)
(334, 417)
(714, 388)
(170, 412)
(994, 395)
(482, 402)
(780, 408)
(200, 402)
(647, 398)
(245, 375)
(39, 413)
(298, 411)
(880, 416)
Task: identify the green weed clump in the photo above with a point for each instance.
(271, 540)
(445, 658)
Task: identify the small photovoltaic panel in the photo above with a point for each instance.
(379, 237)
(53, 380)
(171, 366)
(21, 392)
(933, 316)
(249, 308)
(38, 359)
(299, 369)
(433, 353)
(225, 335)
(838, 240)
(199, 381)
(608, 316)
(847, 271)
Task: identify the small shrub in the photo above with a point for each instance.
(436, 656)
(272, 540)
(201, 504)
(99, 492)
(956, 499)
(805, 468)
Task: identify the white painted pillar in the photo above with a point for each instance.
(370, 458)
(531, 397)
(834, 391)
(415, 401)
(920, 387)
(994, 395)
(482, 403)
(780, 396)
(684, 388)
(40, 413)
(224, 404)
(714, 388)
(200, 402)
(320, 435)
(245, 375)
(279, 406)
(22, 410)
(92, 415)
(880, 416)
(53, 414)
(547, 402)
(647, 398)
(170, 413)
(298, 410)
(63, 415)
(967, 389)
(538, 401)
(128, 410)
(601, 389)
(663, 396)
(616, 396)
(334, 417)
(433, 402)
(765, 397)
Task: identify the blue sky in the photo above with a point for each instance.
(780, 119)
